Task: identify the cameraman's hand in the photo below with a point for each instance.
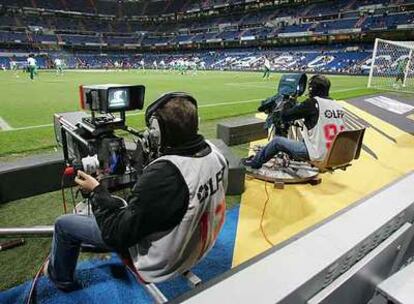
(86, 182)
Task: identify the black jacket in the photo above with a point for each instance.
(157, 203)
(307, 110)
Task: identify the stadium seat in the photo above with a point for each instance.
(345, 148)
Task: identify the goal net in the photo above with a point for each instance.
(392, 66)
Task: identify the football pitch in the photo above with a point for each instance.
(27, 107)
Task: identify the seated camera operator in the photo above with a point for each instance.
(174, 213)
(322, 120)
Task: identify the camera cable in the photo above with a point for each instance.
(32, 291)
(31, 297)
(63, 193)
(262, 217)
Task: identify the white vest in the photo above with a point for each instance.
(161, 256)
(318, 140)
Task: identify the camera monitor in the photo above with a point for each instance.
(118, 99)
(110, 98)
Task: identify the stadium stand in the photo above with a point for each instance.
(296, 32)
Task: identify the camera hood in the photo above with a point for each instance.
(292, 84)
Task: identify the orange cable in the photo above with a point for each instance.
(262, 217)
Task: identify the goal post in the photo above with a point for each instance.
(392, 66)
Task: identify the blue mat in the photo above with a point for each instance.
(107, 281)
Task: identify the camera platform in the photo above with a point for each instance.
(278, 172)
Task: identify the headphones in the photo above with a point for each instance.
(157, 130)
(310, 88)
(319, 85)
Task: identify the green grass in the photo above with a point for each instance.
(21, 263)
(25, 103)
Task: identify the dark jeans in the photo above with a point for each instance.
(71, 231)
(296, 149)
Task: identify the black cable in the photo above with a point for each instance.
(63, 194)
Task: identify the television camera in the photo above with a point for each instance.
(291, 86)
(90, 142)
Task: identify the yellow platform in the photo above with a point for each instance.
(298, 207)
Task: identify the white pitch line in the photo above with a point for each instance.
(264, 86)
(142, 113)
(250, 85)
(4, 125)
(211, 105)
(349, 89)
(229, 103)
(30, 127)
(201, 106)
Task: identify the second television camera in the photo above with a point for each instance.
(92, 143)
(291, 86)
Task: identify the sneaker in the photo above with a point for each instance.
(249, 162)
(66, 287)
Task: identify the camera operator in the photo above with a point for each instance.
(322, 120)
(173, 215)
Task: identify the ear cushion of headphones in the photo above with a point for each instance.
(155, 127)
(310, 85)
